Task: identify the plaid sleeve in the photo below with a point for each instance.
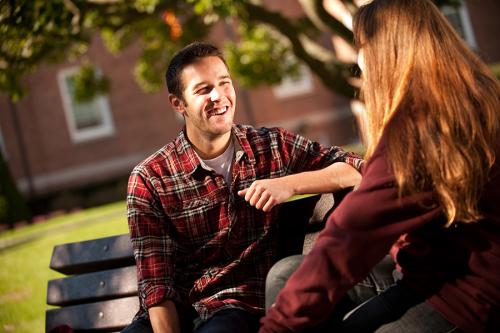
(154, 249)
(307, 155)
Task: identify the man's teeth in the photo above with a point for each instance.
(221, 111)
(218, 111)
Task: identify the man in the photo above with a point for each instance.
(200, 209)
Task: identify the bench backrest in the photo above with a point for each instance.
(101, 293)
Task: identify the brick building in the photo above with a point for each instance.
(54, 146)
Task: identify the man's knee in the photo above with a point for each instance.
(278, 275)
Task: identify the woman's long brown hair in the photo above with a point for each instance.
(433, 99)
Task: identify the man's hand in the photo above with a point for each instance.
(266, 193)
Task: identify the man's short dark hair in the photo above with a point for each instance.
(187, 56)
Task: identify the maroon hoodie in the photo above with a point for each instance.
(456, 268)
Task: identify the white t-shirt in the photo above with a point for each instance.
(222, 163)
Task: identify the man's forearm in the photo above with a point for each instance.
(330, 179)
(266, 193)
(164, 318)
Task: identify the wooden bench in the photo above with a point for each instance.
(100, 292)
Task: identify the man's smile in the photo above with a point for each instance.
(217, 111)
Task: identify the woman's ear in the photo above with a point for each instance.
(177, 104)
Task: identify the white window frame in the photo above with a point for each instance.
(105, 129)
(463, 14)
(300, 85)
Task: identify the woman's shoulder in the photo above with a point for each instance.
(378, 161)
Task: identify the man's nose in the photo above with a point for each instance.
(214, 95)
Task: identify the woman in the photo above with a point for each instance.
(429, 195)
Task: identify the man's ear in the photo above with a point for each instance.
(177, 103)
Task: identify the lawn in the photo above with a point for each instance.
(25, 256)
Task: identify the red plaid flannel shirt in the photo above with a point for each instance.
(195, 240)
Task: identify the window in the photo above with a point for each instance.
(302, 84)
(459, 18)
(86, 121)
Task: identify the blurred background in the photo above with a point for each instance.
(83, 100)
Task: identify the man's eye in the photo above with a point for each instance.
(202, 91)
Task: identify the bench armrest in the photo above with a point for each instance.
(300, 218)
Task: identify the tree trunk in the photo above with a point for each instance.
(13, 207)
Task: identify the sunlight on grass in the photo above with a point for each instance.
(357, 148)
(25, 272)
(83, 215)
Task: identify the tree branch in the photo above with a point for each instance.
(315, 10)
(75, 21)
(104, 2)
(331, 72)
(350, 5)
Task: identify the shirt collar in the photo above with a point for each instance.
(190, 161)
(242, 145)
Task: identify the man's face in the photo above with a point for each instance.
(209, 99)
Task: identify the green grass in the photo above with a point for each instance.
(25, 263)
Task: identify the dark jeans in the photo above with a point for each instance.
(379, 303)
(224, 321)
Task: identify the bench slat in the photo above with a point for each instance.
(93, 255)
(107, 315)
(91, 287)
